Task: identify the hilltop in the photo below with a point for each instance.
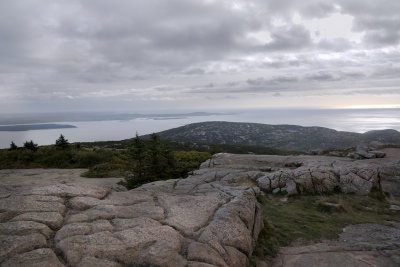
(285, 137)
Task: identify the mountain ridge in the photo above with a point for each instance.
(281, 136)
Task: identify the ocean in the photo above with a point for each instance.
(353, 120)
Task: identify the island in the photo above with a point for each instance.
(29, 127)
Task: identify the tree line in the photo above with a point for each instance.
(61, 143)
(143, 161)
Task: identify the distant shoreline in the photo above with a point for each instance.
(45, 118)
(114, 129)
(29, 127)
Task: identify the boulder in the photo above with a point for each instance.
(20, 204)
(74, 229)
(378, 154)
(11, 245)
(52, 219)
(204, 253)
(43, 257)
(364, 152)
(101, 245)
(24, 228)
(376, 145)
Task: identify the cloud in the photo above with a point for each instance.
(307, 8)
(337, 82)
(293, 37)
(387, 72)
(272, 81)
(66, 51)
(379, 20)
(336, 45)
(321, 76)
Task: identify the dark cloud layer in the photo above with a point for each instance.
(140, 52)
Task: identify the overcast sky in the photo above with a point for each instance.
(128, 55)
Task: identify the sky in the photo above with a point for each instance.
(134, 55)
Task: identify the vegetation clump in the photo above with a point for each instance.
(62, 143)
(106, 169)
(293, 164)
(13, 146)
(152, 160)
(144, 161)
(31, 146)
(312, 218)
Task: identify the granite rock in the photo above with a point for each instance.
(211, 218)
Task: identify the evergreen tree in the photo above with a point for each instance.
(62, 143)
(156, 161)
(31, 146)
(170, 158)
(13, 146)
(151, 161)
(162, 160)
(138, 153)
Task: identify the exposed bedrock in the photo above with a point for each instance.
(315, 174)
(211, 218)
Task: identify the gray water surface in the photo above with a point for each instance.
(354, 120)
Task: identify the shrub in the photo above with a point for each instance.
(55, 158)
(31, 146)
(26, 156)
(87, 158)
(377, 193)
(293, 164)
(104, 170)
(62, 143)
(13, 146)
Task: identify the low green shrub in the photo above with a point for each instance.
(306, 218)
(104, 170)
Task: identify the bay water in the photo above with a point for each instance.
(353, 120)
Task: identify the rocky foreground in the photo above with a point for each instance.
(211, 218)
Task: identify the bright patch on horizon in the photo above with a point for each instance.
(372, 106)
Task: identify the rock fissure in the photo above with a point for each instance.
(256, 211)
(174, 185)
(314, 189)
(165, 211)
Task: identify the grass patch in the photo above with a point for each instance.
(105, 170)
(293, 164)
(339, 152)
(308, 218)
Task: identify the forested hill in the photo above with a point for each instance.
(286, 137)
